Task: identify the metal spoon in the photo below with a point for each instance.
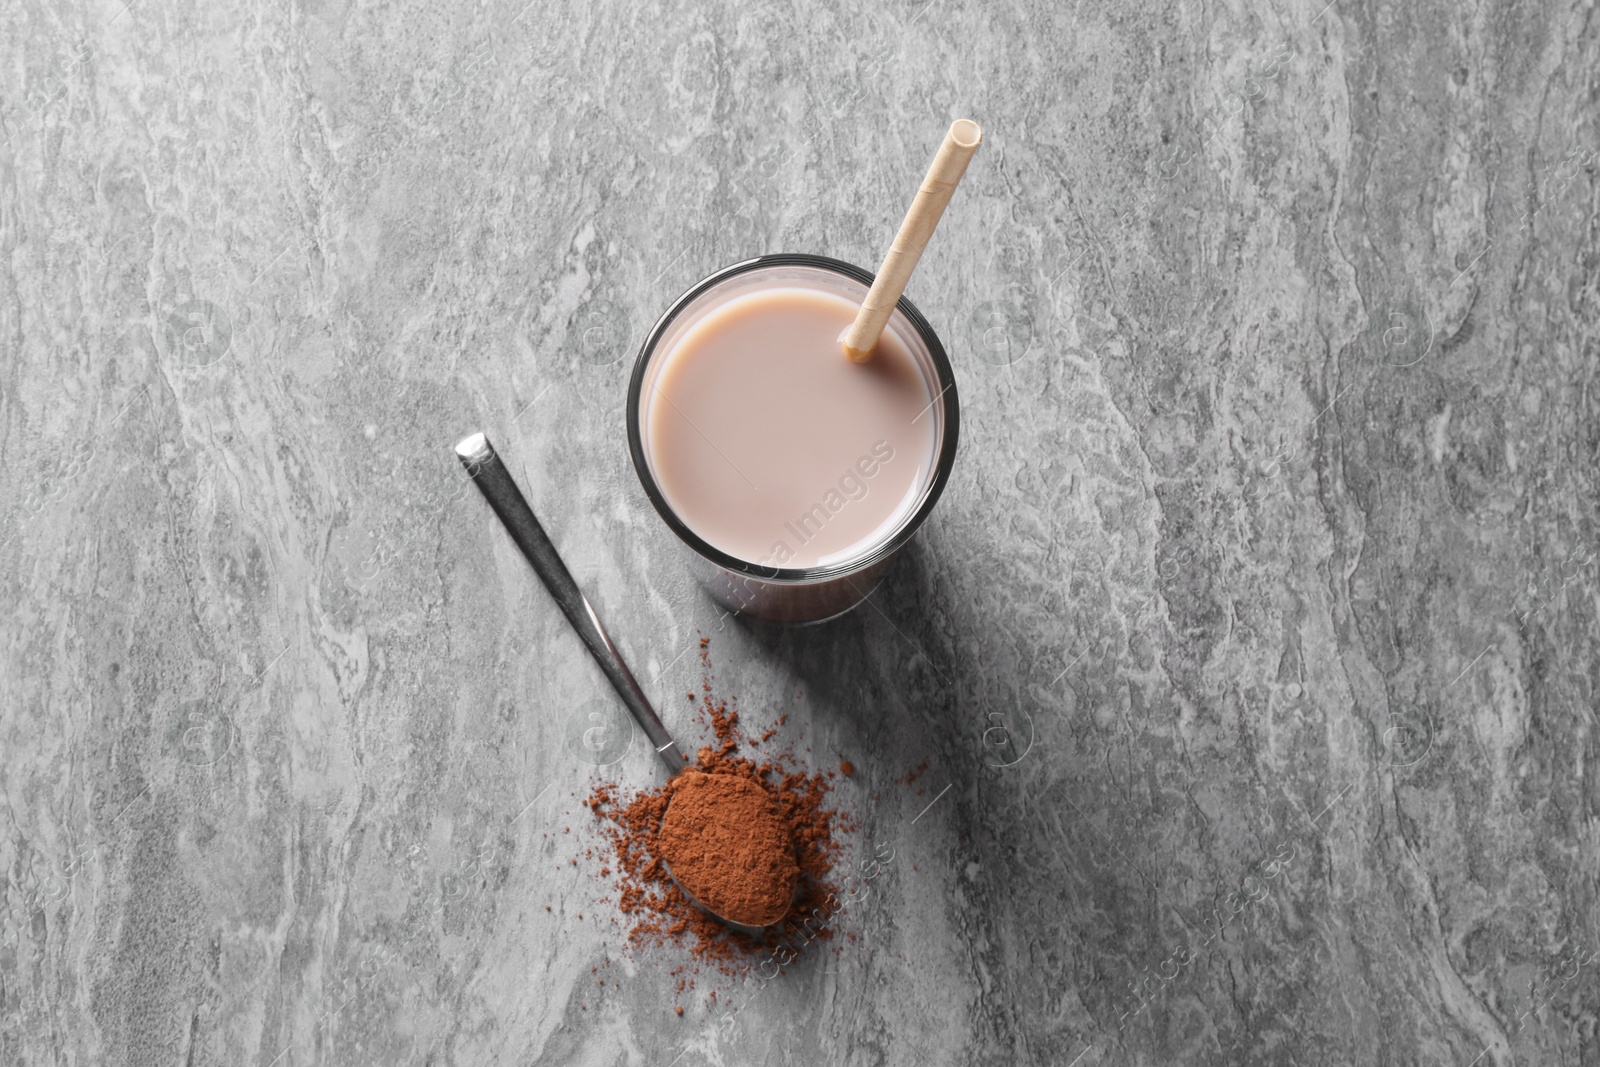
(495, 482)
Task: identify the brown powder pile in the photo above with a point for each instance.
(659, 913)
(725, 840)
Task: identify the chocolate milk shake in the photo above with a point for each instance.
(774, 448)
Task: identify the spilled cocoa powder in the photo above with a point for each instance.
(658, 912)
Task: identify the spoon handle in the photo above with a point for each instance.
(497, 486)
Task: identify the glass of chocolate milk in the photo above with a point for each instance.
(792, 474)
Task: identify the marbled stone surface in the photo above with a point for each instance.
(1251, 651)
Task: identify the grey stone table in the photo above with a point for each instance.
(1251, 652)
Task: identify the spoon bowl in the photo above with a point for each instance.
(729, 847)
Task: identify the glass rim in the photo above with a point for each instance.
(943, 463)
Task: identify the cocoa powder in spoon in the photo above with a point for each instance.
(658, 912)
(726, 841)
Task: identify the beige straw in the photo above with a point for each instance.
(948, 166)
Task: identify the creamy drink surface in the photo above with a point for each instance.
(774, 447)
